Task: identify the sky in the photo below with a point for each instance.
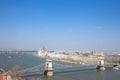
(60, 24)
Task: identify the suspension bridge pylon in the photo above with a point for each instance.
(101, 65)
(48, 68)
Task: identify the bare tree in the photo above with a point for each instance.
(15, 72)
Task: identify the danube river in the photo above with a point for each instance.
(30, 60)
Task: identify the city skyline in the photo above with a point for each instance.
(60, 24)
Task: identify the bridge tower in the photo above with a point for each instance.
(101, 65)
(48, 68)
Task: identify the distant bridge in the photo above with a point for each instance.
(17, 51)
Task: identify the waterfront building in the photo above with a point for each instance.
(42, 52)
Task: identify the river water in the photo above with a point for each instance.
(30, 60)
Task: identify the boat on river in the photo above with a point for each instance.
(116, 67)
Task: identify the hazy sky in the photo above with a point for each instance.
(60, 24)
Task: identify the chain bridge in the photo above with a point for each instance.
(56, 67)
